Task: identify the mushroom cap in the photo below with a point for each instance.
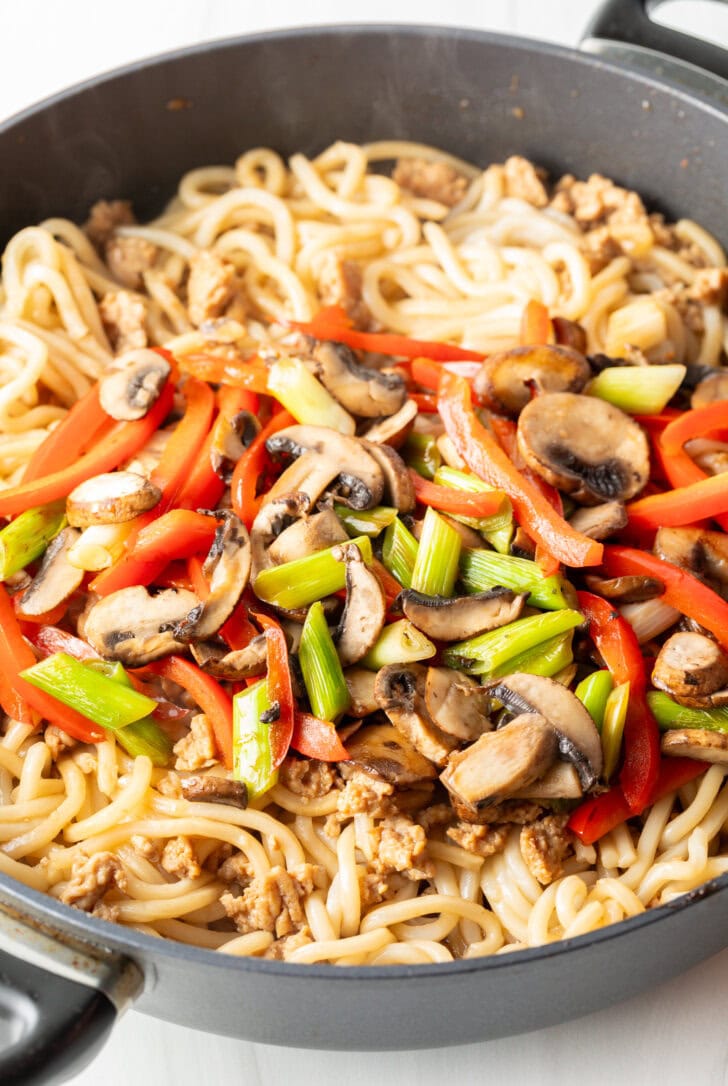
(457, 619)
(504, 379)
(383, 750)
(227, 566)
(56, 579)
(711, 389)
(111, 498)
(365, 392)
(330, 456)
(628, 589)
(365, 608)
(584, 446)
(693, 668)
(702, 551)
(706, 746)
(135, 627)
(600, 521)
(457, 704)
(132, 386)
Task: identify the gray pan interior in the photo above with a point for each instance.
(482, 97)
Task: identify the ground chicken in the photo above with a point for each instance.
(179, 858)
(599, 248)
(274, 902)
(57, 741)
(236, 869)
(129, 258)
(690, 310)
(170, 785)
(431, 180)
(339, 283)
(667, 237)
(364, 794)
(441, 814)
(146, 848)
(509, 810)
(401, 845)
(307, 777)
(710, 287)
(210, 287)
(481, 840)
(524, 181)
(198, 749)
(124, 318)
(281, 949)
(91, 878)
(544, 844)
(104, 218)
(598, 201)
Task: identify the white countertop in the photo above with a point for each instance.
(675, 1033)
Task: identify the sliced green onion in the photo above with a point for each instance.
(322, 674)
(484, 569)
(639, 390)
(105, 700)
(147, 738)
(300, 582)
(438, 554)
(306, 398)
(252, 756)
(547, 658)
(421, 453)
(593, 692)
(669, 714)
(498, 529)
(615, 714)
(369, 522)
(399, 643)
(399, 552)
(492, 650)
(26, 537)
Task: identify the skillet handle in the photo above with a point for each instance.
(60, 998)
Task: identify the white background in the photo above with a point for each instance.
(674, 1034)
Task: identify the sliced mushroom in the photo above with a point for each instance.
(56, 579)
(706, 746)
(383, 750)
(462, 617)
(273, 518)
(399, 490)
(231, 664)
(307, 536)
(215, 790)
(227, 568)
(703, 552)
(694, 669)
(112, 498)
(579, 740)
(633, 589)
(135, 627)
(365, 392)
(399, 690)
(232, 435)
(457, 704)
(501, 763)
(505, 378)
(584, 446)
(365, 609)
(330, 457)
(393, 430)
(561, 781)
(710, 389)
(600, 521)
(133, 385)
(360, 683)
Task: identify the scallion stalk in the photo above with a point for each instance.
(105, 700)
(371, 522)
(421, 453)
(300, 582)
(484, 569)
(669, 714)
(547, 658)
(252, 755)
(497, 530)
(26, 537)
(147, 738)
(438, 554)
(322, 673)
(306, 398)
(494, 649)
(639, 390)
(399, 552)
(615, 715)
(593, 692)
(399, 643)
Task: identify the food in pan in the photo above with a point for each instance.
(364, 559)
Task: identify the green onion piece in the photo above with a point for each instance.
(639, 390)
(26, 537)
(438, 554)
(399, 552)
(322, 674)
(615, 714)
(420, 452)
(491, 650)
(300, 582)
(102, 699)
(146, 737)
(498, 529)
(398, 643)
(306, 398)
(547, 658)
(484, 569)
(252, 756)
(593, 692)
(669, 714)
(369, 522)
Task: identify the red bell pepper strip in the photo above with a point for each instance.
(252, 375)
(616, 641)
(183, 448)
(706, 498)
(426, 404)
(600, 814)
(204, 487)
(280, 690)
(536, 326)
(317, 739)
(390, 585)
(238, 631)
(426, 373)
(484, 456)
(460, 502)
(214, 702)
(695, 423)
(331, 322)
(81, 427)
(682, 590)
(244, 483)
(48, 618)
(197, 579)
(121, 442)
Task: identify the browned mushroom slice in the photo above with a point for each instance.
(710, 389)
(365, 392)
(502, 762)
(703, 552)
(307, 536)
(395, 428)
(360, 683)
(383, 750)
(227, 568)
(600, 521)
(215, 790)
(365, 609)
(634, 589)
(584, 446)
(399, 690)
(504, 379)
(399, 490)
(274, 516)
(456, 703)
(328, 457)
(233, 665)
(694, 669)
(56, 579)
(561, 781)
(132, 386)
(112, 498)
(135, 627)
(698, 743)
(456, 619)
(232, 434)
